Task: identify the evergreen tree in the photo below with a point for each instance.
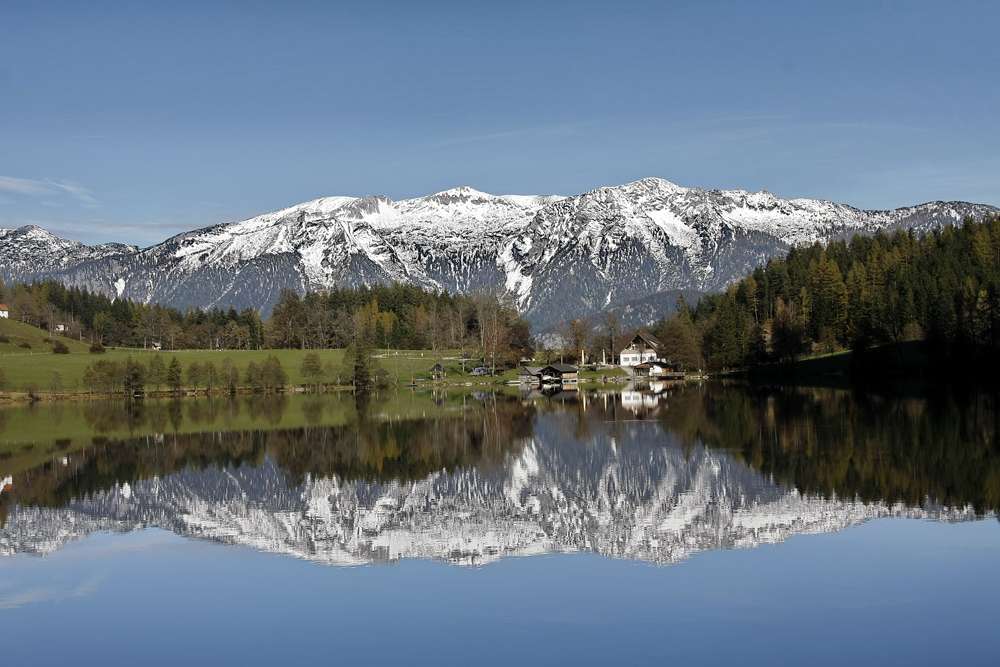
(363, 371)
(729, 336)
(174, 377)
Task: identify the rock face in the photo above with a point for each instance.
(557, 256)
(635, 495)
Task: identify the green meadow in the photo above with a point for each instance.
(24, 366)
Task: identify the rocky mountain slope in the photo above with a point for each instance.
(557, 256)
(635, 495)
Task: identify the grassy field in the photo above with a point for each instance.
(23, 366)
(35, 365)
(38, 339)
(37, 368)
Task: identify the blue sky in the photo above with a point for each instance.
(135, 121)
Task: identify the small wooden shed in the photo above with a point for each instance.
(531, 375)
(560, 374)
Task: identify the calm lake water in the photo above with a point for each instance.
(705, 524)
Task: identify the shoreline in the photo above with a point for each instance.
(44, 396)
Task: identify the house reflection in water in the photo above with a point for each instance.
(635, 400)
(647, 396)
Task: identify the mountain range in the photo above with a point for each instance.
(634, 494)
(613, 247)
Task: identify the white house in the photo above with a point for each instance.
(637, 348)
(3, 311)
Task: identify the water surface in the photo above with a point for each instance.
(698, 524)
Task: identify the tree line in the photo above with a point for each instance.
(132, 377)
(941, 287)
(119, 322)
(378, 317)
(401, 317)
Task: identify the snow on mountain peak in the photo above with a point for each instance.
(558, 256)
(463, 193)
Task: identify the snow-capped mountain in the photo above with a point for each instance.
(557, 256)
(29, 250)
(635, 494)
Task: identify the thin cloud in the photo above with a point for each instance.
(24, 186)
(33, 188)
(80, 193)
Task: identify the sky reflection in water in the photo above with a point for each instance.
(600, 492)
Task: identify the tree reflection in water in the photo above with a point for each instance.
(371, 446)
(829, 442)
(822, 442)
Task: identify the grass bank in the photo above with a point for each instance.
(27, 361)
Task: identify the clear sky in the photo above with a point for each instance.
(137, 120)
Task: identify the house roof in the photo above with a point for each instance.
(532, 370)
(562, 368)
(623, 342)
(3, 307)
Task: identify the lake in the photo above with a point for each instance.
(693, 524)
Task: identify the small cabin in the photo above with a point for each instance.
(563, 374)
(531, 375)
(637, 348)
(60, 327)
(438, 372)
(3, 311)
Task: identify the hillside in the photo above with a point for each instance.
(18, 334)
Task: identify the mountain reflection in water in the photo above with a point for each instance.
(471, 478)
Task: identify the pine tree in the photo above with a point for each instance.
(174, 376)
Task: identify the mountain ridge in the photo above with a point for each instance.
(556, 256)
